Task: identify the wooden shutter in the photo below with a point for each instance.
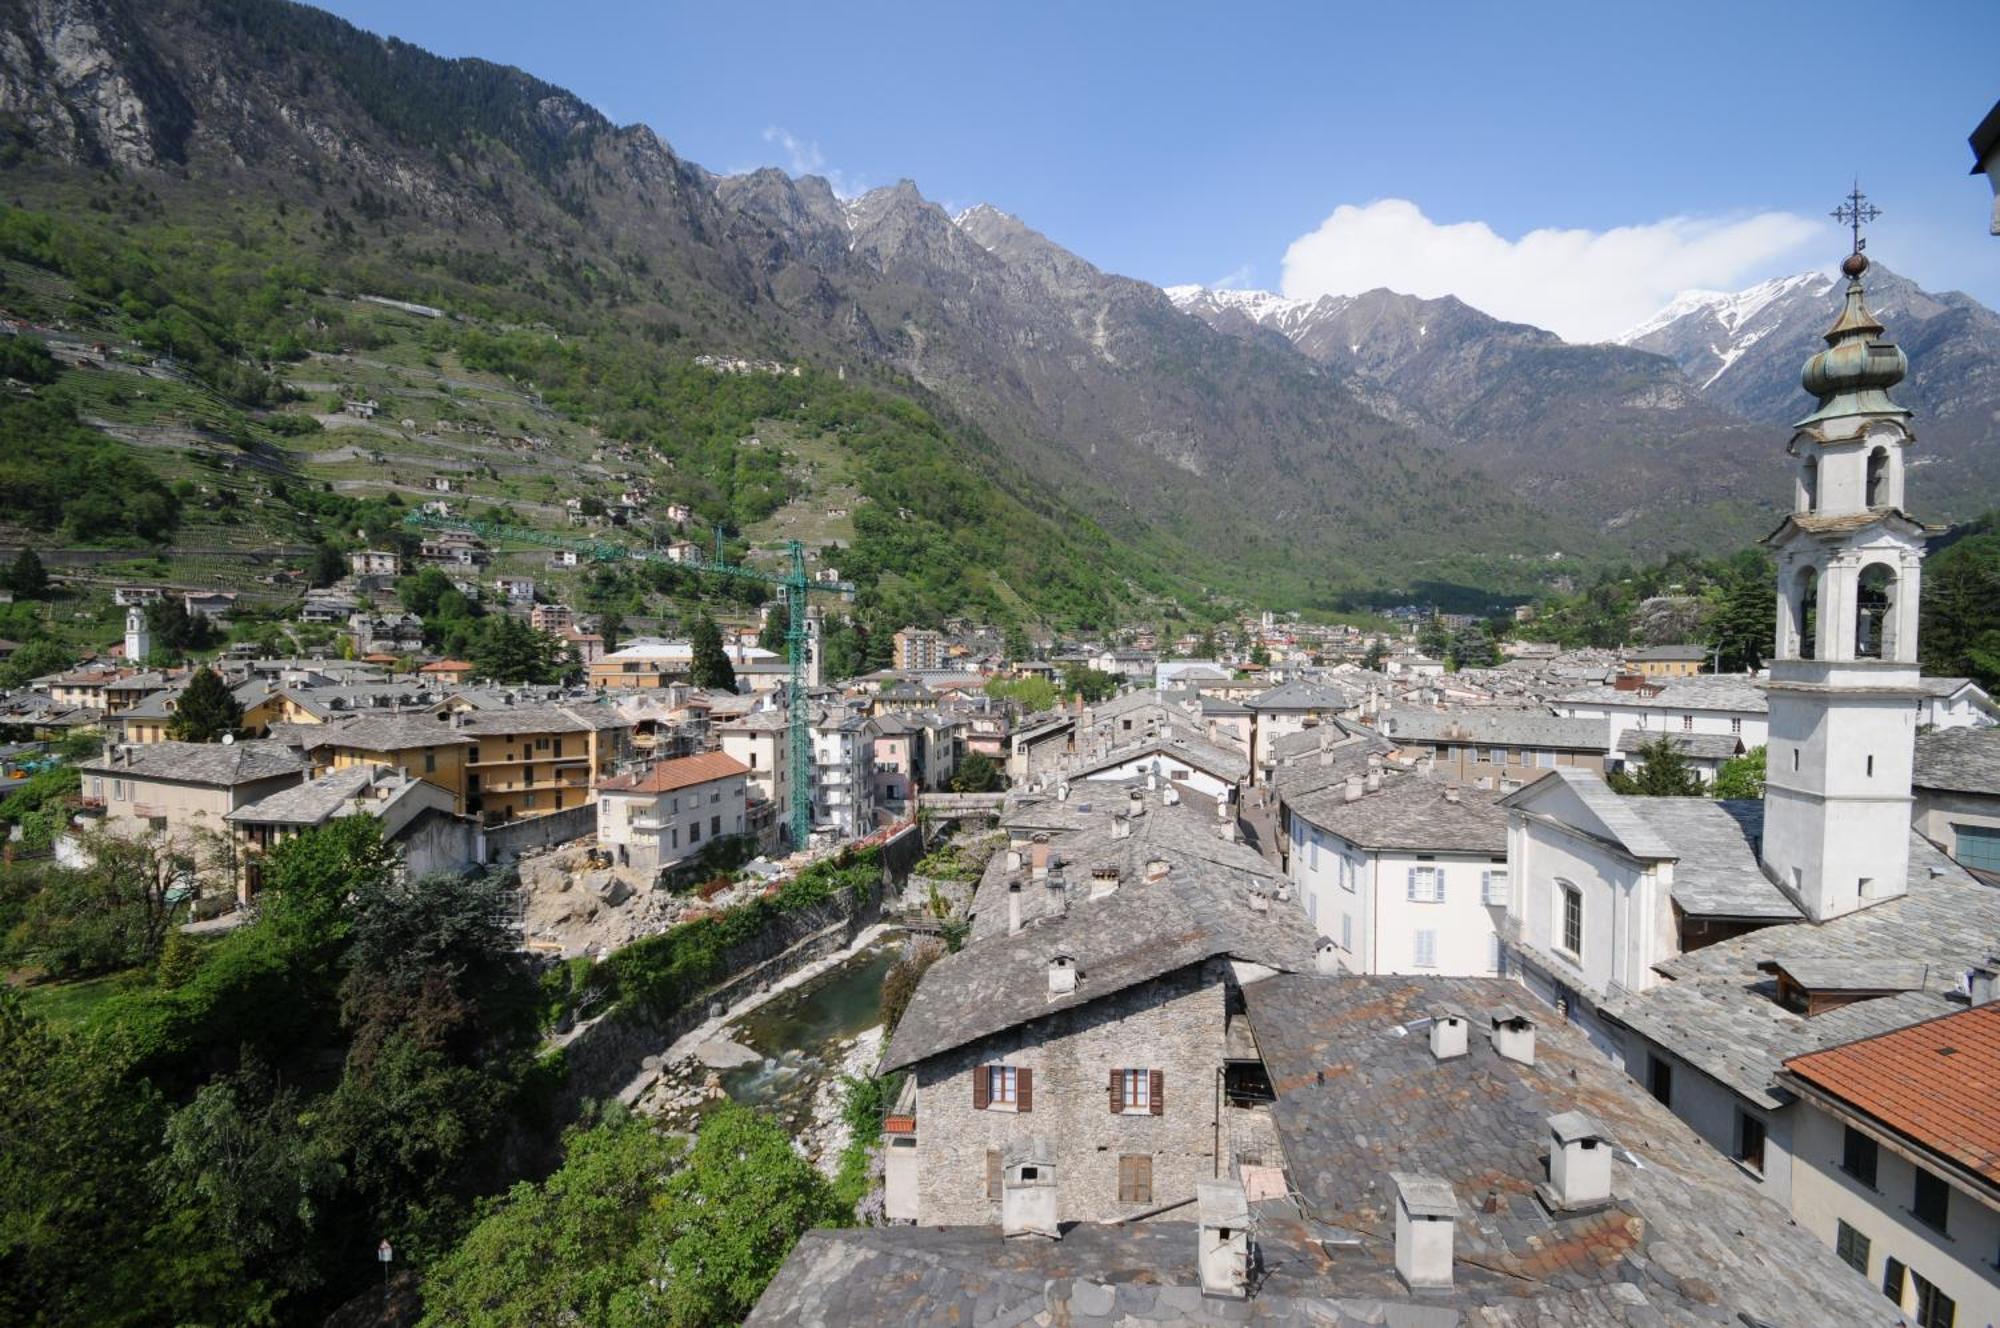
(981, 1085)
(1117, 1091)
(1157, 1091)
(1413, 885)
(993, 1173)
(1024, 1080)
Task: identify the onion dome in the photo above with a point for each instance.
(1853, 375)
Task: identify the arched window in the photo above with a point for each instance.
(1875, 613)
(1878, 477)
(1805, 613)
(1809, 485)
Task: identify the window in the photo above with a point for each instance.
(1858, 1155)
(694, 832)
(1852, 1247)
(1129, 1088)
(1978, 846)
(1497, 955)
(1496, 756)
(1135, 1178)
(1426, 885)
(1572, 921)
(1313, 862)
(1493, 886)
(1660, 1080)
(1795, 758)
(714, 826)
(528, 802)
(541, 744)
(1425, 949)
(1546, 760)
(993, 1173)
(1871, 765)
(715, 796)
(1750, 1141)
(1687, 723)
(1003, 1086)
(1892, 1280)
(1934, 1308)
(676, 832)
(1736, 724)
(1931, 1204)
(118, 789)
(1347, 932)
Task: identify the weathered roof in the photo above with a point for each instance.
(318, 800)
(1720, 1012)
(1626, 828)
(1497, 727)
(1936, 1083)
(1302, 695)
(1675, 654)
(1958, 761)
(1174, 742)
(1409, 812)
(1721, 693)
(1716, 868)
(1699, 746)
(219, 763)
(383, 733)
(543, 719)
(685, 772)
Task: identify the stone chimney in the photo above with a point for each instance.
(1013, 907)
(1028, 1191)
(1103, 881)
(1326, 958)
(1426, 1208)
(1013, 859)
(1451, 794)
(1514, 1035)
(1259, 901)
(1984, 981)
(1373, 782)
(1157, 869)
(1449, 1030)
(1356, 786)
(1062, 791)
(1062, 975)
(1223, 1238)
(1579, 1163)
(1038, 857)
(1170, 796)
(1121, 825)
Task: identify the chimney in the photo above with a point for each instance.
(1451, 794)
(1326, 958)
(1152, 779)
(1062, 791)
(1373, 782)
(1425, 1210)
(1013, 907)
(1156, 870)
(1579, 1163)
(1103, 881)
(1449, 1029)
(1984, 980)
(1038, 857)
(1355, 788)
(1170, 796)
(1223, 1235)
(1028, 1191)
(1062, 975)
(1121, 826)
(1514, 1035)
(1326, 756)
(1259, 901)
(1013, 859)
(1284, 892)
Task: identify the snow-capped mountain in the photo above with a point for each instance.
(1709, 332)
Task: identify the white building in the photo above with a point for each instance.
(672, 811)
(1402, 873)
(374, 562)
(515, 589)
(842, 774)
(1706, 707)
(1956, 703)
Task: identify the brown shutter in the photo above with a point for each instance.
(1117, 1091)
(1025, 1084)
(1142, 1179)
(1157, 1091)
(980, 1086)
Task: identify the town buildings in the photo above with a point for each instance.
(917, 649)
(660, 817)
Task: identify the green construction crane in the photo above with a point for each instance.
(793, 582)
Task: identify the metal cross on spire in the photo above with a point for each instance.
(1856, 211)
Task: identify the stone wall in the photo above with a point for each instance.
(1173, 1024)
(506, 842)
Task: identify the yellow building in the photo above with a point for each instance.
(530, 760)
(647, 662)
(421, 745)
(1669, 661)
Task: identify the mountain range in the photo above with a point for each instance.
(1291, 451)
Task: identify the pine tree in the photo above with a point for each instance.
(206, 712)
(1665, 773)
(27, 578)
(712, 668)
(509, 650)
(772, 635)
(1745, 624)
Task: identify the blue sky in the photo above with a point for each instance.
(1561, 163)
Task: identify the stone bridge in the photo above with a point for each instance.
(961, 804)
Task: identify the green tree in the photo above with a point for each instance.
(328, 565)
(1663, 773)
(1741, 776)
(771, 636)
(899, 984)
(976, 773)
(507, 649)
(175, 631)
(206, 711)
(1433, 640)
(1960, 609)
(1033, 695)
(712, 668)
(1017, 645)
(1472, 648)
(1093, 685)
(32, 661)
(1744, 625)
(1378, 651)
(27, 578)
(113, 914)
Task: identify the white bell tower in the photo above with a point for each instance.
(138, 637)
(1844, 681)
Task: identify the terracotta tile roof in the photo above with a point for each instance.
(1936, 1083)
(447, 666)
(678, 774)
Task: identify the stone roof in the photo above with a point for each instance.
(1671, 654)
(1937, 1083)
(1409, 812)
(1497, 728)
(1181, 744)
(316, 800)
(1716, 868)
(510, 720)
(1629, 831)
(1302, 695)
(1723, 693)
(1958, 761)
(1720, 1014)
(225, 764)
(1698, 746)
(382, 733)
(1143, 930)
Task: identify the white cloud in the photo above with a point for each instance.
(1583, 285)
(803, 157)
(1239, 279)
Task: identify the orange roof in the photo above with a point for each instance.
(678, 774)
(1936, 1083)
(447, 666)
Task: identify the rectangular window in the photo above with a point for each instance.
(1497, 955)
(528, 802)
(1931, 1203)
(1750, 1141)
(1892, 1280)
(1132, 1091)
(118, 789)
(1736, 724)
(676, 832)
(1572, 921)
(1312, 863)
(993, 1173)
(1135, 1178)
(1687, 723)
(1425, 949)
(714, 826)
(1858, 1155)
(1493, 886)
(430, 760)
(541, 744)
(1978, 846)
(1496, 756)
(1661, 1080)
(1852, 1247)
(1002, 1086)
(694, 832)
(1347, 932)
(1426, 885)
(1934, 1308)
